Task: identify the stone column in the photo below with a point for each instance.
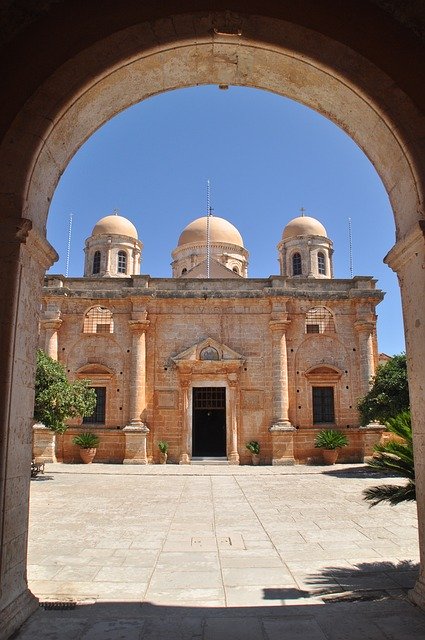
(51, 328)
(366, 329)
(407, 259)
(186, 427)
(233, 456)
(24, 257)
(280, 372)
(136, 432)
(281, 430)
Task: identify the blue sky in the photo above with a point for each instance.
(266, 157)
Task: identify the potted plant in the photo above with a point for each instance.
(254, 447)
(88, 443)
(330, 440)
(163, 451)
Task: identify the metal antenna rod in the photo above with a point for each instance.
(350, 244)
(208, 228)
(68, 251)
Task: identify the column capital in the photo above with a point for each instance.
(279, 324)
(364, 326)
(49, 323)
(139, 326)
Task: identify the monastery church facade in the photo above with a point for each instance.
(210, 363)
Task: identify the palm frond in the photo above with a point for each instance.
(392, 493)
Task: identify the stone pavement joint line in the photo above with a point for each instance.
(215, 553)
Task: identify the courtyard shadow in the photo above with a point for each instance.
(379, 576)
(357, 472)
(132, 621)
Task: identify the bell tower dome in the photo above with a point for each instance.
(113, 250)
(305, 249)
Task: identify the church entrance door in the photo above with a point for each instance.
(209, 421)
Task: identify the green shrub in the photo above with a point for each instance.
(330, 439)
(163, 446)
(86, 440)
(253, 446)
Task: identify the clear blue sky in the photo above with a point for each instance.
(266, 156)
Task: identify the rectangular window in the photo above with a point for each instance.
(313, 328)
(103, 328)
(323, 405)
(98, 415)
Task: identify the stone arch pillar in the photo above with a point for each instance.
(407, 259)
(25, 256)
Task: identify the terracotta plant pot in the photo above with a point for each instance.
(255, 459)
(163, 458)
(87, 455)
(330, 455)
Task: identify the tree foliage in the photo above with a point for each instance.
(57, 399)
(389, 394)
(394, 457)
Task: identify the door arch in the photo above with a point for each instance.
(318, 56)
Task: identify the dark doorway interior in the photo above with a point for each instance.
(209, 421)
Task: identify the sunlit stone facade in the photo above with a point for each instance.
(208, 364)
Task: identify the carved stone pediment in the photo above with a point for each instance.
(208, 356)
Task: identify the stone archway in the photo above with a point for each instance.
(296, 54)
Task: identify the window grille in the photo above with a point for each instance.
(321, 264)
(319, 320)
(96, 262)
(209, 398)
(122, 262)
(209, 353)
(296, 265)
(98, 320)
(99, 413)
(323, 405)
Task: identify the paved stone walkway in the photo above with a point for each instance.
(211, 553)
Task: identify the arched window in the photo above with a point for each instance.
(296, 265)
(235, 270)
(96, 262)
(319, 320)
(184, 270)
(321, 263)
(122, 262)
(209, 353)
(98, 320)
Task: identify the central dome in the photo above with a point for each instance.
(115, 225)
(303, 226)
(220, 231)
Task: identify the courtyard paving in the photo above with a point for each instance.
(218, 552)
